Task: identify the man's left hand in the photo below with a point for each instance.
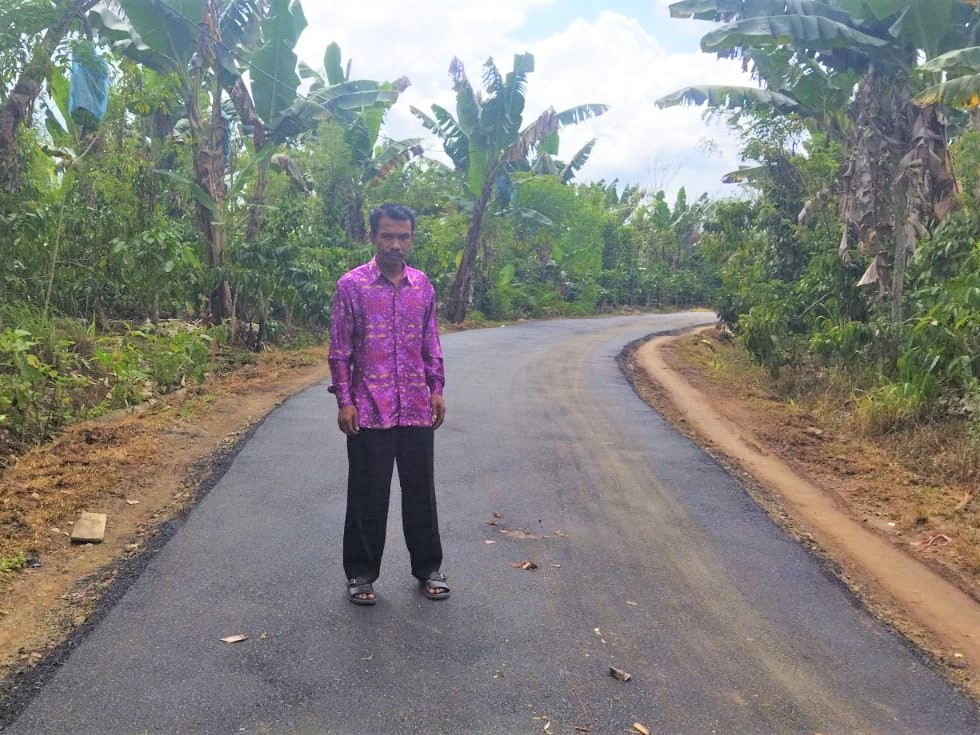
(438, 410)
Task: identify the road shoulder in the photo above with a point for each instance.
(926, 606)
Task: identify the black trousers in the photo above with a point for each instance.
(371, 456)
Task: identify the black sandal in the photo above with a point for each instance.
(357, 587)
(434, 586)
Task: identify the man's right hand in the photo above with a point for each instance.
(347, 419)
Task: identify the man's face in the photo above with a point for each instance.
(392, 241)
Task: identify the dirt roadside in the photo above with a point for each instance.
(143, 469)
(833, 493)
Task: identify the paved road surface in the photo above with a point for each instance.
(650, 559)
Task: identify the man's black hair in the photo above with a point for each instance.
(391, 210)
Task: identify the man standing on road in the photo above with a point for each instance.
(386, 371)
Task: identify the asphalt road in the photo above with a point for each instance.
(650, 558)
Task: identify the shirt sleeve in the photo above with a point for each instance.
(435, 376)
(341, 345)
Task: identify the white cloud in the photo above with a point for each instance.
(612, 59)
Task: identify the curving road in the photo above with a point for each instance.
(650, 559)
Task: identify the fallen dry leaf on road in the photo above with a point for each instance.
(631, 603)
(547, 723)
(517, 533)
(619, 674)
(528, 565)
(235, 638)
(641, 728)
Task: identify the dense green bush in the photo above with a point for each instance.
(55, 371)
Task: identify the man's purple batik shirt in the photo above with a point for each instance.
(385, 357)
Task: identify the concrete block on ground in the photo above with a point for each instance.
(89, 528)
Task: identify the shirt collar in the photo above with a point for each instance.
(376, 273)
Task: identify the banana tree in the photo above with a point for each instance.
(193, 40)
(482, 139)
(209, 48)
(372, 162)
(897, 182)
(49, 26)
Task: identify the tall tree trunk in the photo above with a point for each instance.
(246, 112)
(899, 182)
(459, 294)
(209, 171)
(356, 230)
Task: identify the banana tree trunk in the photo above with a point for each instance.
(899, 182)
(209, 167)
(246, 112)
(356, 230)
(209, 172)
(459, 294)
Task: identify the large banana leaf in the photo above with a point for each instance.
(934, 25)
(806, 31)
(169, 30)
(712, 10)
(513, 97)
(342, 101)
(393, 156)
(240, 28)
(730, 98)
(333, 65)
(580, 158)
(745, 175)
(580, 113)
(955, 63)
(240, 24)
(362, 135)
(479, 171)
(444, 126)
(467, 105)
(502, 113)
(354, 96)
(881, 10)
(962, 88)
(307, 72)
(961, 92)
(273, 67)
(540, 130)
(493, 80)
(724, 11)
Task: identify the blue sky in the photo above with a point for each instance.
(624, 53)
(677, 35)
